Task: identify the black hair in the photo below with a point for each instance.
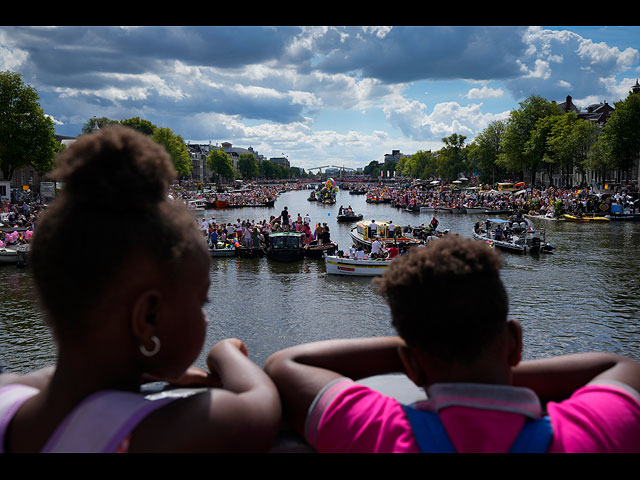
(114, 204)
(447, 298)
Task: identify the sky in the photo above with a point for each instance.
(319, 95)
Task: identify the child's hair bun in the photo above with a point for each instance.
(115, 166)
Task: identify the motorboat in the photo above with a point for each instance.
(363, 235)
(585, 219)
(285, 246)
(353, 217)
(368, 267)
(511, 236)
(315, 250)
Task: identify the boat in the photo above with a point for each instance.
(338, 265)
(223, 249)
(16, 255)
(196, 206)
(361, 236)
(548, 217)
(354, 217)
(585, 219)
(8, 255)
(250, 252)
(286, 246)
(523, 238)
(314, 250)
(474, 210)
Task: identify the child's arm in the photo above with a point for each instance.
(300, 372)
(38, 378)
(556, 378)
(242, 416)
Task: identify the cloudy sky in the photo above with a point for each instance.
(319, 95)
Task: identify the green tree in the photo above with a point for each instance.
(515, 156)
(220, 163)
(451, 160)
(175, 146)
(143, 126)
(483, 153)
(96, 123)
(569, 142)
(27, 135)
(621, 135)
(248, 165)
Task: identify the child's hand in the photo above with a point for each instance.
(217, 352)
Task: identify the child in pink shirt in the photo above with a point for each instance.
(480, 397)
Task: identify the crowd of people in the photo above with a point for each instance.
(254, 234)
(18, 218)
(137, 315)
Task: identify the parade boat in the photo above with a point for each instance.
(585, 219)
(223, 249)
(338, 265)
(8, 255)
(315, 250)
(286, 246)
(516, 237)
(363, 237)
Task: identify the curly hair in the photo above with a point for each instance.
(446, 298)
(114, 203)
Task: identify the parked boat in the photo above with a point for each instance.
(585, 219)
(368, 267)
(314, 250)
(8, 255)
(362, 236)
(286, 246)
(517, 237)
(349, 218)
(223, 249)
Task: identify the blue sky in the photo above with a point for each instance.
(319, 95)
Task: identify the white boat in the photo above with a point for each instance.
(8, 255)
(522, 239)
(368, 267)
(196, 206)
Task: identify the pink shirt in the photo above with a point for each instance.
(348, 417)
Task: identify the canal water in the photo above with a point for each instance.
(583, 297)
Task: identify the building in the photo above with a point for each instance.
(394, 156)
(282, 161)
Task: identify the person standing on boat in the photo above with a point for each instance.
(373, 229)
(307, 220)
(434, 224)
(284, 217)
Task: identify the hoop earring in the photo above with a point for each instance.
(156, 347)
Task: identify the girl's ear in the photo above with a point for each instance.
(412, 366)
(144, 315)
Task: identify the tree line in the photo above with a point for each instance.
(538, 137)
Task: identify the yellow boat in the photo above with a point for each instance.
(572, 218)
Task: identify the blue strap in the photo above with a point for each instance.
(428, 431)
(432, 437)
(534, 437)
